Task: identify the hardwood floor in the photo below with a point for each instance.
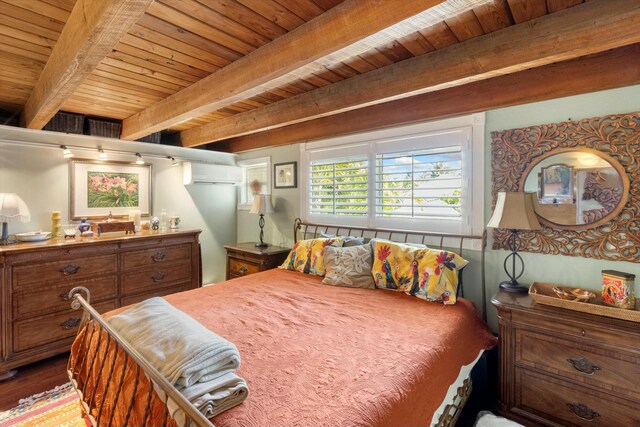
(34, 378)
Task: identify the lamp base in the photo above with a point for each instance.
(262, 245)
(513, 287)
(7, 242)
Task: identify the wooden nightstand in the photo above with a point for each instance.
(564, 368)
(245, 258)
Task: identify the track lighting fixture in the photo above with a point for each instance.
(66, 153)
(174, 162)
(139, 160)
(102, 155)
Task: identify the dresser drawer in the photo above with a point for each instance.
(72, 269)
(239, 267)
(28, 334)
(156, 293)
(617, 372)
(56, 298)
(159, 276)
(155, 256)
(572, 405)
(582, 330)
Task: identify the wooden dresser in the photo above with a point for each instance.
(36, 319)
(246, 258)
(564, 368)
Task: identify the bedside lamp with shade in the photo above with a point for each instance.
(12, 209)
(261, 206)
(514, 211)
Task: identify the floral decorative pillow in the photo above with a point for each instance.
(429, 274)
(307, 256)
(348, 266)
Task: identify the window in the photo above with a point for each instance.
(339, 187)
(416, 177)
(424, 183)
(254, 171)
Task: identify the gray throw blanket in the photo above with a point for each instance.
(195, 360)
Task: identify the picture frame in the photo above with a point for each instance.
(285, 175)
(557, 184)
(100, 188)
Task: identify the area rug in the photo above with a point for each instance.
(59, 407)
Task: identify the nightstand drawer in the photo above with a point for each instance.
(613, 371)
(242, 268)
(569, 404)
(581, 329)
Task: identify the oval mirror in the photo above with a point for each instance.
(577, 188)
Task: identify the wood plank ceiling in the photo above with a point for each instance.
(214, 70)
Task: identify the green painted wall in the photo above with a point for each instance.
(558, 269)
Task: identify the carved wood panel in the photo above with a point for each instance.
(512, 151)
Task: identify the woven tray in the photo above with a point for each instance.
(543, 293)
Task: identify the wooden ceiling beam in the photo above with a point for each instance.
(589, 28)
(92, 30)
(607, 70)
(270, 65)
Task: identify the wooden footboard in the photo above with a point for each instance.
(94, 355)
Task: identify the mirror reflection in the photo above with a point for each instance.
(575, 188)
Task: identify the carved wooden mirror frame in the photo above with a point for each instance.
(514, 151)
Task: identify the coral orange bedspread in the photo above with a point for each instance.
(319, 355)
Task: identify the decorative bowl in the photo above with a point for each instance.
(583, 295)
(563, 294)
(33, 236)
(69, 230)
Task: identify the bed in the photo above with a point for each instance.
(312, 354)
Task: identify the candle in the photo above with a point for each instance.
(55, 223)
(136, 216)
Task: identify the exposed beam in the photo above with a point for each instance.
(92, 30)
(351, 26)
(607, 70)
(582, 30)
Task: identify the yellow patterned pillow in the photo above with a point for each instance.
(307, 256)
(429, 274)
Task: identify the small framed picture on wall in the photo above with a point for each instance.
(285, 175)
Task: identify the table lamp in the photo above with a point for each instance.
(514, 211)
(261, 206)
(12, 209)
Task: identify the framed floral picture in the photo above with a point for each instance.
(285, 175)
(98, 188)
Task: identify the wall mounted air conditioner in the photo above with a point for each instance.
(206, 173)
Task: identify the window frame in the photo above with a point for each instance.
(405, 138)
(243, 189)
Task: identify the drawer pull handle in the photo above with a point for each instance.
(583, 365)
(159, 276)
(159, 256)
(70, 323)
(243, 270)
(581, 410)
(70, 269)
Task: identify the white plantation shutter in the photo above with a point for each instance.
(420, 184)
(339, 187)
(414, 177)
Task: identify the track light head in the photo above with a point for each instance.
(66, 153)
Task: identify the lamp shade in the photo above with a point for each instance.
(261, 204)
(13, 208)
(514, 211)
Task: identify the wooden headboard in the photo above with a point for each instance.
(306, 230)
